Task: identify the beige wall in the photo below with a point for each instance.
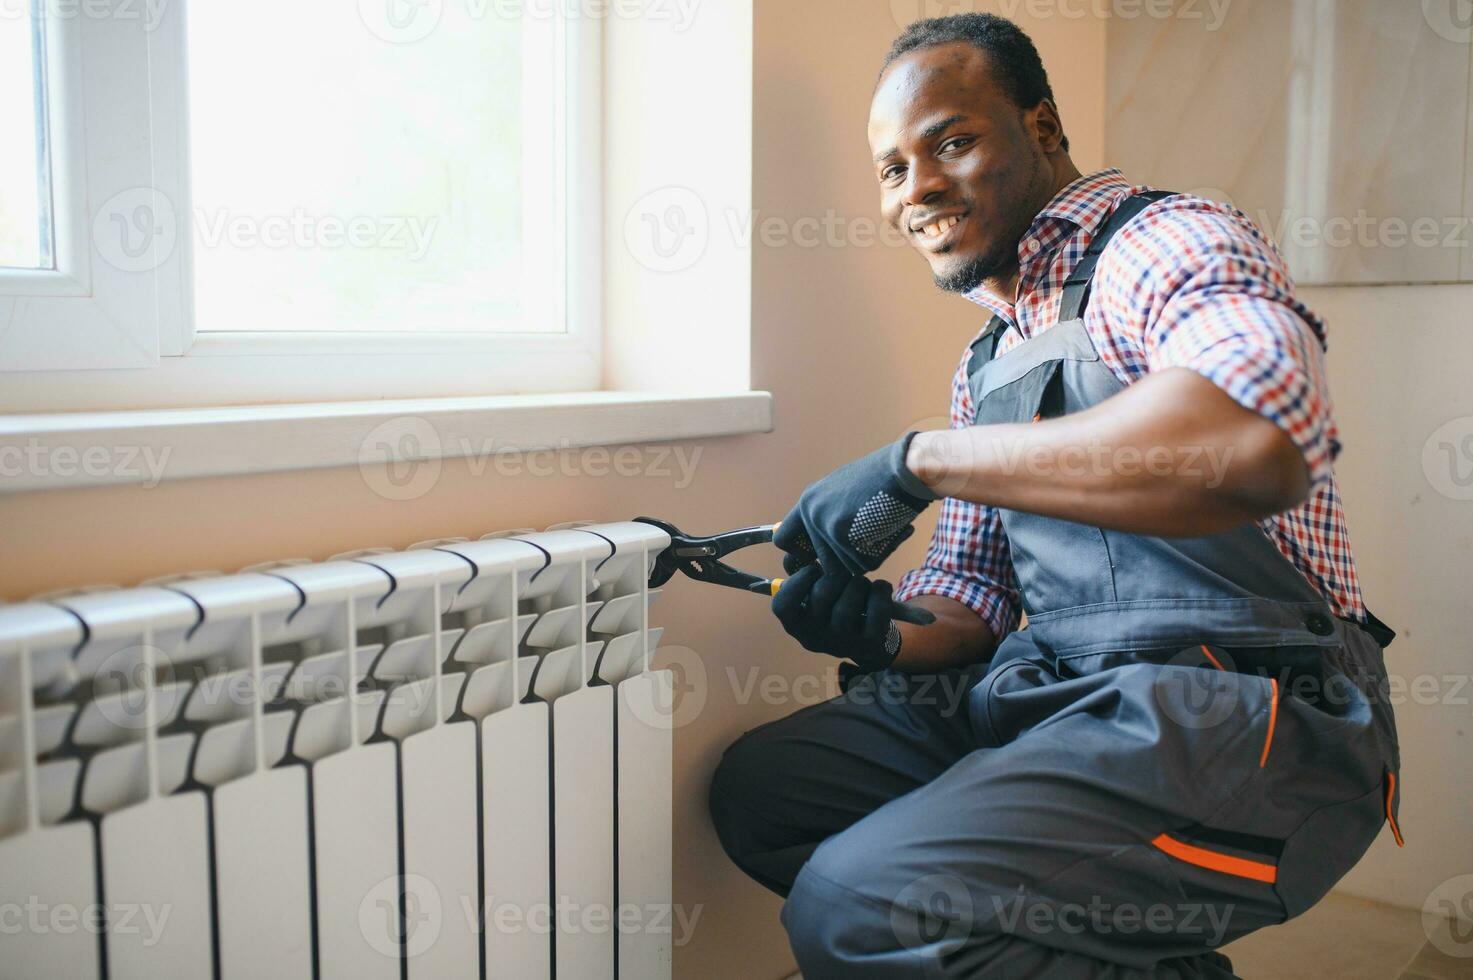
(1399, 358)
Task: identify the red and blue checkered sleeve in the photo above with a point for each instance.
(1218, 299)
(968, 559)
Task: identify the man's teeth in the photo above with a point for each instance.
(940, 227)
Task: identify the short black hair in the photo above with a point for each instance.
(1014, 59)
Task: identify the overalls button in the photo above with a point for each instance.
(1319, 624)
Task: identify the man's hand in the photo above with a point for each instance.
(854, 518)
(844, 616)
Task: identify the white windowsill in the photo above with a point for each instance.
(77, 449)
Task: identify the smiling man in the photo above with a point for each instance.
(1190, 740)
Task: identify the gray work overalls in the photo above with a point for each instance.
(1182, 746)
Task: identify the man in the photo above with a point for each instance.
(1189, 740)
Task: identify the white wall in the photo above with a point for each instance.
(1399, 367)
(1305, 117)
(678, 153)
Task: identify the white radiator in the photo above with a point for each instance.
(198, 780)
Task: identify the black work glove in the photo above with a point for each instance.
(854, 518)
(842, 615)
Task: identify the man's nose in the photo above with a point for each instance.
(925, 184)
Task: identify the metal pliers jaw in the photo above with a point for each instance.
(700, 557)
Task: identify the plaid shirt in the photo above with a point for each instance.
(1189, 283)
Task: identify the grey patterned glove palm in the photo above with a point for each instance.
(854, 518)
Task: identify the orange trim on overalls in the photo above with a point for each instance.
(1391, 817)
(1217, 861)
(1273, 718)
(1208, 654)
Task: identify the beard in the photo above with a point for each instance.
(977, 270)
(1030, 177)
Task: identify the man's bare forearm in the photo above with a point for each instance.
(1172, 455)
(958, 638)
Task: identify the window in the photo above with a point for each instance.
(25, 177)
(257, 214)
(364, 185)
(280, 201)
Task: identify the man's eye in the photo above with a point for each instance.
(890, 173)
(957, 143)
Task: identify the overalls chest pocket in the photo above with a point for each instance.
(1037, 394)
(1059, 564)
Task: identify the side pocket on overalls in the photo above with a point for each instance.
(1334, 837)
(1221, 851)
(1326, 846)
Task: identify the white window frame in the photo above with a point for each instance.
(676, 343)
(125, 338)
(87, 312)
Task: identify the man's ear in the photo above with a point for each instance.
(1046, 126)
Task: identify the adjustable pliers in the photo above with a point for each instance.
(700, 558)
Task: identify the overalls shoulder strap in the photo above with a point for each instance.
(984, 348)
(1076, 287)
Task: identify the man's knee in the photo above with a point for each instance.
(848, 916)
(747, 807)
(732, 785)
(825, 922)
(871, 903)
